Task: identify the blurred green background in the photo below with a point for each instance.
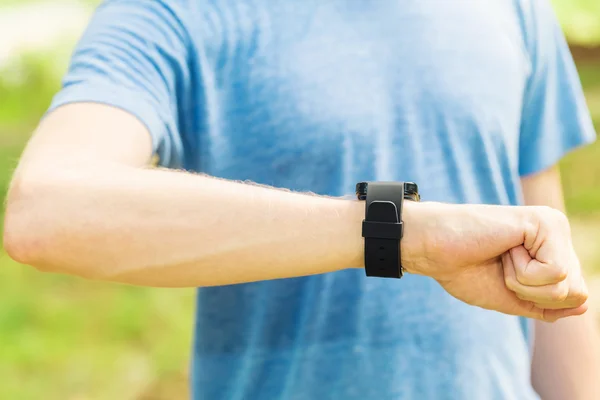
(66, 338)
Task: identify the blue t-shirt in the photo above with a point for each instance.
(463, 97)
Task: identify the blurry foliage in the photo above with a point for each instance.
(581, 169)
(26, 86)
(7, 3)
(66, 338)
(580, 20)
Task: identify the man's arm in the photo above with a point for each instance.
(84, 202)
(566, 360)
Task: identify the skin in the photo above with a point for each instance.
(83, 201)
(566, 358)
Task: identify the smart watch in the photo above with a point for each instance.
(382, 227)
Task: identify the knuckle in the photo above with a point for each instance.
(535, 311)
(560, 272)
(561, 218)
(545, 316)
(579, 298)
(552, 272)
(585, 293)
(553, 216)
(545, 210)
(559, 293)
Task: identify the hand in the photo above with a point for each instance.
(516, 260)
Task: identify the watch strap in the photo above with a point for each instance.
(383, 229)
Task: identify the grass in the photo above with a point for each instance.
(66, 338)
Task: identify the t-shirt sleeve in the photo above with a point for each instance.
(555, 116)
(133, 56)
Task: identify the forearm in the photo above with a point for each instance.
(566, 360)
(110, 221)
(168, 228)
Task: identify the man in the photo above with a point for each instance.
(474, 101)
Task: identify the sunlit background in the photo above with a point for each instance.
(66, 338)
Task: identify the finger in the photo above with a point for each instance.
(578, 295)
(531, 310)
(560, 295)
(554, 315)
(511, 304)
(550, 295)
(543, 301)
(565, 294)
(531, 272)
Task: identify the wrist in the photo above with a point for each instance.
(413, 246)
(353, 211)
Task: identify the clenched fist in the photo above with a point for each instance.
(516, 260)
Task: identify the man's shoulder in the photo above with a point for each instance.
(180, 12)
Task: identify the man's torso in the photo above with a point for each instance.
(315, 96)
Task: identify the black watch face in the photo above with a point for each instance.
(411, 191)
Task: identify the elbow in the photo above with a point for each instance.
(14, 245)
(48, 225)
(18, 235)
(18, 239)
(19, 249)
(26, 247)
(38, 228)
(22, 227)
(14, 236)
